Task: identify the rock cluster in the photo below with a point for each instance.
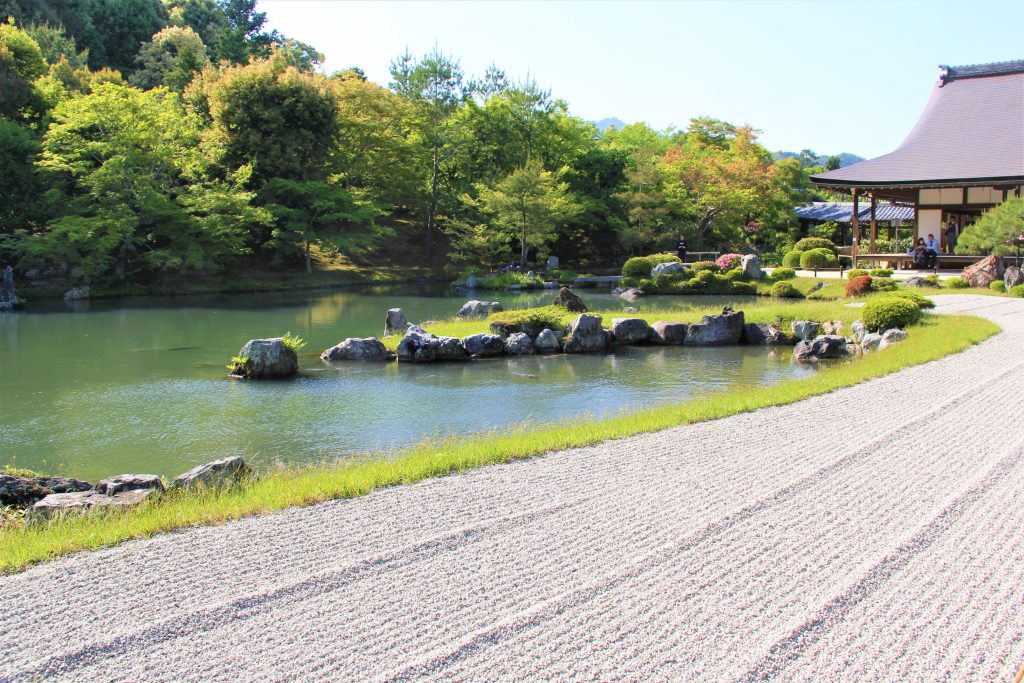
(568, 300)
(822, 347)
(484, 345)
(47, 497)
(420, 346)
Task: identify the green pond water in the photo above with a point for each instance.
(139, 385)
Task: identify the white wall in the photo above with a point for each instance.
(929, 221)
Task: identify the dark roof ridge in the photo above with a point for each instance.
(952, 73)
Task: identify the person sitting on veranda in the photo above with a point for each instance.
(931, 251)
(916, 252)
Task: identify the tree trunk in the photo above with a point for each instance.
(524, 250)
(432, 209)
(309, 262)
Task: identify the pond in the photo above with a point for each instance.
(139, 385)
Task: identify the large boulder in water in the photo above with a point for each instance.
(479, 309)
(631, 330)
(668, 333)
(18, 491)
(821, 347)
(519, 344)
(395, 322)
(568, 299)
(547, 341)
(268, 359)
(716, 330)
(586, 335)
(420, 346)
(631, 295)
(484, 345)
(354, 348)
(984, 272)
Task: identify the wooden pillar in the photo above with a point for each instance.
(874, 225)
(856, 226)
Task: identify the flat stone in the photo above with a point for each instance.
(57, 504)
(24, 491)
(668, 333)
(805, 329)
(223, 472)
(129, 482)
(366, 349)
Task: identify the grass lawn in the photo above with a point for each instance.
(23, 544)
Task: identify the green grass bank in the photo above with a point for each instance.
(24, 544)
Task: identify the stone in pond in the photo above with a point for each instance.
(223, 472)
(568, 300)
(631, 295)
(354, 348)
(586, 335)
(484, 345)
(668, 333)
(716, 330)
(547, 341)
(631, 330)
(766, 334)
(269, 359)
(395, 322)
(518, 344)
(479, 309)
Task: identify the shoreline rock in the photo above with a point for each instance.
(369, 349)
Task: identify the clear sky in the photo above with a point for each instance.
(829, 76)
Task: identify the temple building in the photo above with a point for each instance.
(965, 155)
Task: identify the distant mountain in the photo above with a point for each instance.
(605, 124)
(845, 158)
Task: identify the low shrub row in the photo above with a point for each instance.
(886, 312)
(703, 282)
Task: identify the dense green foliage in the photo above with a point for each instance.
(997, 286)
(956, 283)
(786, 290)
(1017, 291)
(146, 139)
(551, 317)
(791, 259)
(885, 312)
(818, 257)
(922, 301)
(992, 232)
(783, 273)
(809, 243)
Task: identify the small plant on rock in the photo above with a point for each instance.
(292, 341)
(238, 365)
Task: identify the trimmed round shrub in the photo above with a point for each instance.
(737, 275)
(791, 259)
(1017, 291)
(886, 312)
(957, 283)
(922, 301)
(783, 273)
(786, 290)
(744, 288)
(637, 267)
(809, 243)
(857, 272)
(997, 286)
(859, 286)
(818, 258)
(700, 266)
(707, 276)
(655, 259)
(881, 272)
(883, 284)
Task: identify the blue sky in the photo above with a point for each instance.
(830, 76)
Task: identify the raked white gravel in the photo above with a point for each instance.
(872, 534)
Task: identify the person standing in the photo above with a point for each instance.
(951, 236)
(931, 251)
(681, 248)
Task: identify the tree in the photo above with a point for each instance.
(202, 16)
(19, 185)
(315, 211)
(120, 27)
(56, 44)
(267, 114)
(529, 204)
(832, 163)
(242, 33)
(172, 58)
(21, 63)
(996, 227)
(302, 56)
(434, 85)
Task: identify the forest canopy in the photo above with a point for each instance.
(140, 138)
